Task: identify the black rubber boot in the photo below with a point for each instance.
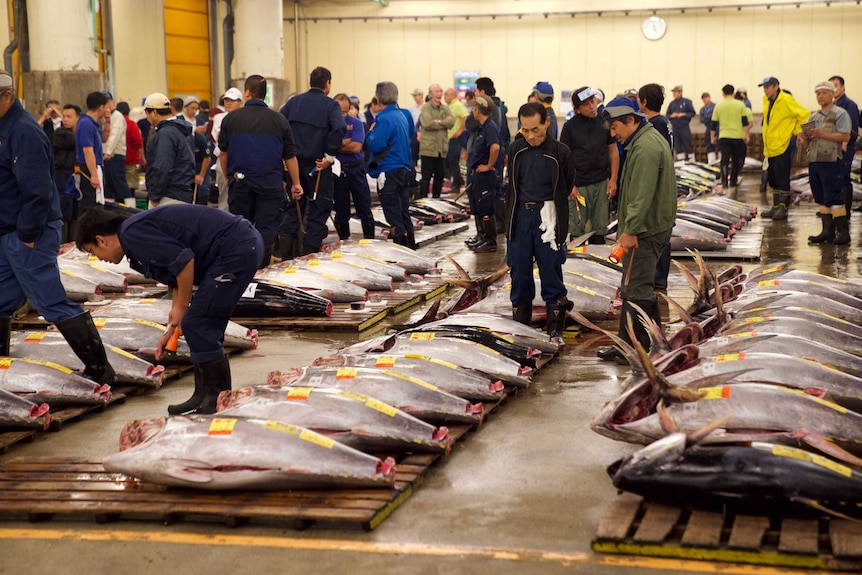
(307, 250)
(842, 231)
(490, 243)
(83, 337)
(828, 232)
(266, 258)
(286, 247)
(847, 196)
(523, 313)
(215, 378)
(410, 240)
(368, 229)
(343, 230)
(776, 198)
(194, 401)
(5, 334)
(783, 206)
(477, 239)
(556, 319)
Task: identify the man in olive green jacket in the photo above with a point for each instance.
(647, 212)
(435, 120)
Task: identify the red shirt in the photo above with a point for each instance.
(134, 143)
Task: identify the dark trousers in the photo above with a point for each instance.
(115, 185)
(315, 206)
(32, 273)
(432, 166)
(525, 244)
(352, 183)
(88, 195)
(639, 267)
(262, 207)
(222, 286)
(453, 163)
(827, 179)
(778, 172)
(482, 193)
(394, 194)
(732, 159)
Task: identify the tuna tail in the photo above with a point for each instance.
(683, 314)
(429, 316)
(621, 344)
(337, 360)
(820, 507)
(656, 378)
(658, 341)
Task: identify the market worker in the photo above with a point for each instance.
(486, 149)
(541, 177)
(646, 217)
(30, 228)
(182, 246)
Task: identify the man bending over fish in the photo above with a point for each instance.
(184, 246)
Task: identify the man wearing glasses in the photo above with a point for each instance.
(541, 177)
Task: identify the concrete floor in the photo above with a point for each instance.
(524, 494)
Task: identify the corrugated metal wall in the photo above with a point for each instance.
(187, 48)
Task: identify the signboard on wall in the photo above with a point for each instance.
(465, 80)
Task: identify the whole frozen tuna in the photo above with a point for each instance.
(134, 277)
(390, 252)
(140, 337)
(322, 285)
(157, 309)
(326, 265)
(79, 288)
(412, 395)
(228, 453)
(52, 346)
(107, 280)
(350, 418)
(19, 413)
(45, 382)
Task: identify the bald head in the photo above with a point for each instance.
(449, 95)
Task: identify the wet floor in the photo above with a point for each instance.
(523, 494)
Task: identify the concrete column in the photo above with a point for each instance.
(259, 44)
(64, 65)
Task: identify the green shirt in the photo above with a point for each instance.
(460, 112)
(728, 115)
(648, 201)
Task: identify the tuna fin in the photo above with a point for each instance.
(191, 471)
(668, 425)
(824, 445)
(656, 378)
(683, 314)
(820, 507)
(696, 437)
(657, 339)
(621, 344)
(461, 271)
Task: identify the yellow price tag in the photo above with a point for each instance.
(422, 336)
(336, 255)
(364, 243)
(773, 270)
(715, 392)
(345, 373)
(316, 438)
(289, 271)
(36, 336)
(298, 393)
(768, 283)
(314, 262)
(100, 322)
(5, 362)
(385, 361)
(147, 300)
(221, 426)
(729, 357)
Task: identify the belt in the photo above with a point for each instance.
(351, 164)
(533, 205)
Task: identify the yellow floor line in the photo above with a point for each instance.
(383, 548)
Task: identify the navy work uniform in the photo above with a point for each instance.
(353, 183)
(258, 141)
(318, 128)
(484, 183)
(226, 249)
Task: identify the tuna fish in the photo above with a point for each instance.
(79, 288)
(321, 285)
(523, 334)
(451, 378)
(269, 298)
(107, 280)
(412, 395)
(45, 382)
(397, 273)
(19, 413)
(350, 418)
(140, 337)
(51, 346)
(388, 252)
(133, 277)
(757, 478)
(226, 453)
(362, 277)
(157, 309)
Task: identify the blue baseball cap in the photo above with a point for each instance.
(544, 90)
(622, 101)
(108, 95)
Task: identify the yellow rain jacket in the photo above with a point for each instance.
(781, 123)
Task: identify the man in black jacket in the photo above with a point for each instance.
(170, 174)
(541, 177)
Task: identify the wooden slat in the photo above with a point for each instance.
(616, 521)
(747, 531)
(657, 523)
(846, 538)
(703, 529)
(798, 536)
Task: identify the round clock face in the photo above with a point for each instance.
(654, 27)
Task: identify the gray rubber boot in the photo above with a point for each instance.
(783, 206)
(776, 198)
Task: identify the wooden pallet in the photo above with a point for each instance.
(632, 526)
(345, 319)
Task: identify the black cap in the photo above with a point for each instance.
(769, 81)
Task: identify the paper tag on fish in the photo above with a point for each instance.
(314, 262)
(424, 384)
(316, 438)
(364, 243)
(124, 353)
(729, 357)
(100, 322)
(336, 255)
(385, 361)
(585, 290)
(768, 283)
(151, 324)
(345, 373)
(298, 393)
(36, 336)
(784, 451)
(221, 426)
(68, 273)
(715, 392)
(6, 362)
(578, 250)
(289, 271)
(147, 300)
(250, 290)
(421, 336)
(773, 270)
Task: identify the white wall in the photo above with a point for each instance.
(702, 50)
(139, 49)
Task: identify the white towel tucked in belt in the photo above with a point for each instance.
(549, 224)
